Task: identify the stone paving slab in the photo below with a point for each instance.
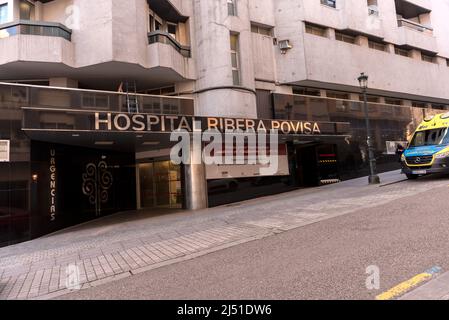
(50, 266)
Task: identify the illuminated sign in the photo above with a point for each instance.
(167, 123)
(4, 150)
(52, 182)
(81, 120)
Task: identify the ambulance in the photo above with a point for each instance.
(428, 150)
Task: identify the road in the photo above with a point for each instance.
(324, 260)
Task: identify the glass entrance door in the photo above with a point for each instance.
(160, 185)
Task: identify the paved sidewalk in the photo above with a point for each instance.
(437, 289)
(129, 243)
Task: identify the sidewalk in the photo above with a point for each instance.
(437, 289)
(133, 242)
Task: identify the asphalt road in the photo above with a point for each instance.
(326, 260)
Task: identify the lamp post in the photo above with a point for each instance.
(373, 178)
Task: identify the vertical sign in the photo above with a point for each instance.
(4, 150)
(52, 184)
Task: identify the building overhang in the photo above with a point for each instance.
(409, 9)
(167, 11)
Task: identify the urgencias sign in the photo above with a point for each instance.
(123, 122)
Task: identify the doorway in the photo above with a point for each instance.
(317, 164)
(160, 185)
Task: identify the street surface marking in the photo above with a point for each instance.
(406, 286)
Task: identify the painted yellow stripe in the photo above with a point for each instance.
(404, 287)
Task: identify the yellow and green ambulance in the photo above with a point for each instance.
(428, 150)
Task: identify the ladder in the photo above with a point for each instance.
(132, 102)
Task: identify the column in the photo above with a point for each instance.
(195, 183)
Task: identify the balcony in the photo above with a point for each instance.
(34, 42)
(416, 35)
(414, 26)
(35, 28)
(163, 37)
(388, 72)
(169, 10)
(165, 52)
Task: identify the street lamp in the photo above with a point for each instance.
(373, 178)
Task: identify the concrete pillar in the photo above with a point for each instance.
(195, 183)
(415, 54)
(330, 33)
(390, 48)
(323, 93)
(362, 41)
(63, 82)
(16, 10)
(38, 11)
(407, 103)
(442, 61)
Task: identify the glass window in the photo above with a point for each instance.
(266, 31)
(315, 30)
(377, 45)
(172, 29)
(401, 52)
(344, 37)
(329, 3)
(232, 7)
(431, 138)
(235, 59)
(3, 13)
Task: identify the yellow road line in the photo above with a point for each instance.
(405, 286)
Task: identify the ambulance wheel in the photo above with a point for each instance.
(412, 176)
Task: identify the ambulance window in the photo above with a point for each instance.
(431, 138)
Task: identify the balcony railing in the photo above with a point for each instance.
(37, 28)
(163, 37)
(415, 26)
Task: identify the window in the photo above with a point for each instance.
(402, 52)
(164, 91)
(315, 30)
(172, 29)
(340, 36)
(307, 92)
(337, 95)
(3, 13)
(416, 104)
(369, 98)
(232, 7)
(329, 3)
(266, 31)
(439, 106)
(155, 24)
(428, 58)
(433, 137)
(235, 59)
(377, 45)
(395, 102)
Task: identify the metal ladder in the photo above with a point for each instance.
(132, 101)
